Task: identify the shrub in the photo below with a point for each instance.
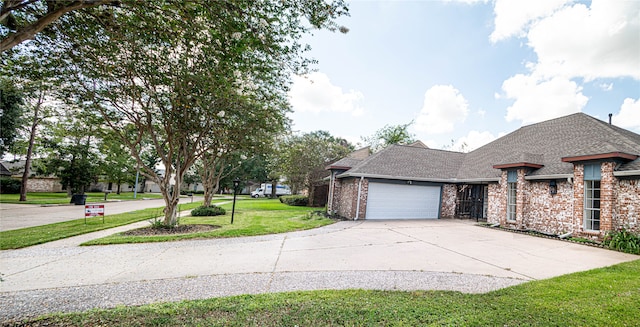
(295, 200)
(9, 185)
(623, 241)
(207, 211)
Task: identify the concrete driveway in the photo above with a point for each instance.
(405, 255)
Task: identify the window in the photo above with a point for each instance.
(512, 188)
(592, 197)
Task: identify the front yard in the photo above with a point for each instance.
(601, 297)
(252, 217)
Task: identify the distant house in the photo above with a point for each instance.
(572, 174)
(4, 172)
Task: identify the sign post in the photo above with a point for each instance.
(92, 210)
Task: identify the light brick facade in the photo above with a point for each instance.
(563, 212)
(448, 205)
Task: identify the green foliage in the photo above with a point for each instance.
(9, 185)
(207, 211)
(295, 200)
(252, 218)
(303, 158)
(388, 135)
(623, 241)
(599, 297)
(11, 100)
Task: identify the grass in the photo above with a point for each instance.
(601, 297)
(252, 217)
(20, 238)
(62, 198)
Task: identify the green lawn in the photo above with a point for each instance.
(601, 297)
(62, 198)
(252, 217)
(19, 238)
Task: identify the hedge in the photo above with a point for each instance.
(9, 185)
(203, 211)
(295, 200)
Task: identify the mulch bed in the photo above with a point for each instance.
(180, 229)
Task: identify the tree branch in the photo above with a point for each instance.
(31, 30)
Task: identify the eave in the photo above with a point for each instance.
(611, 155)
(518, 165)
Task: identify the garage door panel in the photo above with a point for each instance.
(402, 201)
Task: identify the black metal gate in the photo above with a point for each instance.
(471, 201)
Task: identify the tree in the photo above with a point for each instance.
(117, 165)
(11, 100)
(165, 69)
(304, 158)
(389, 134)
(21, 20)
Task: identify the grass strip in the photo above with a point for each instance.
(252, 217)
(601, 297)
(20, 238)
(62, 198)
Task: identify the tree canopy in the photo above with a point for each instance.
(177, 77)
(388, 135)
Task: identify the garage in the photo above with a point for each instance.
(402, 201)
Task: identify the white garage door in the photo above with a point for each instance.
(402, 201)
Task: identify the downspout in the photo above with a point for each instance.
(358, 203)
(331, 186)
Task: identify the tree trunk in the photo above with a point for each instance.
(274, 185)
(32, 139)
(118, 190)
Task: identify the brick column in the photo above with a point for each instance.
(607, 183)
(520, 198)
(578, 197)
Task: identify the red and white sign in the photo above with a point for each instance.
(92, 210)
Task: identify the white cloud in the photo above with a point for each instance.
(472, 141)
(606, 87)
(513, 17)
(443, 107)
(629, 115)
(600, 41)
(536, 100)
(315, 93)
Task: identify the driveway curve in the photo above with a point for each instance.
(388, 255)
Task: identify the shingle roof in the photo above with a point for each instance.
(574, 135)
(409, 162)
(4, 171)
(544, 143)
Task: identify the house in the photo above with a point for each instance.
(574, 174)
(4, 172)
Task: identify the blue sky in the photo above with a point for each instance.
(471, 71)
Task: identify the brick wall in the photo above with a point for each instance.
(607, 200)
(449, 196)
(578, 198)
(44, 185)
(546, 212)
(345, 197)
(497, 198)
(627, 206)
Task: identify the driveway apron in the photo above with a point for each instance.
(392, 255)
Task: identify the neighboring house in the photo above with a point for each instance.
(571, 174)
(4, 172)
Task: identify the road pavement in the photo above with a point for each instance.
(16, 216)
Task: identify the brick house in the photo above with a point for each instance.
(574, 174)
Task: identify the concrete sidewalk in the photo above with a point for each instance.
(407, 255)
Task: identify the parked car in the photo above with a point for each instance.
(265, 190)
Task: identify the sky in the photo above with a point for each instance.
(468, 71)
